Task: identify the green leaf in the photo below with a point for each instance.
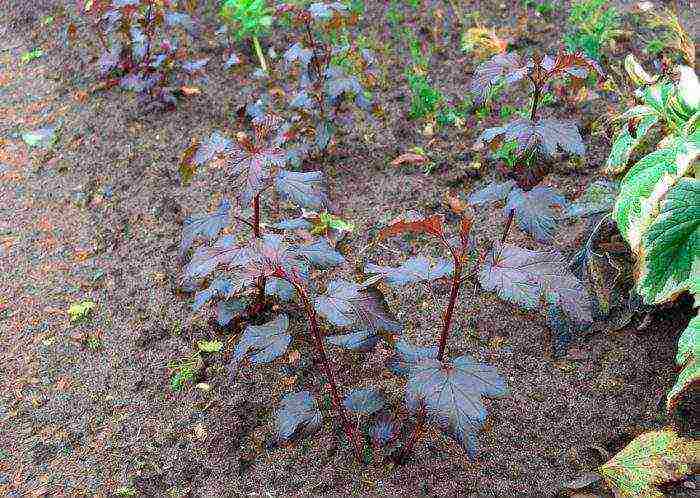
(210, 346)
(687, 357)
(79, 311)
(652, 459)
(669, 253)
(631, 209)
(27, 57)
(625, 142)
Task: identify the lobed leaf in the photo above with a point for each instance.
(364, 401)
(510, 67)
(451, 394)
(263, 343)
(492, 192)
(349, 304)
(297, 417)
(533, 210)
(523, 277)
(207, 225)
(224, 252)
(253, 169)
(229, 309)
(362, 341)
(599, 198)
(320, 254)
(547, 135)
(220, 286)
(305, 189)
(384, 431)
(416, 269)
(408, 355)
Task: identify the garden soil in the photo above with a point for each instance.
(87, 409)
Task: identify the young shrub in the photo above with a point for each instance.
(441, 390)
(143, 52)
(324, 82)
(249, 19)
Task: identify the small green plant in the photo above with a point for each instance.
(94, 342)
(249, 19)
(544, 8)
(425, 99)
(594, 24)
(80, 311)
(32, 55)
(184, 371)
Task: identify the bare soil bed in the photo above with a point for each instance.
(99, 216)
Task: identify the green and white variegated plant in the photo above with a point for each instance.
(658, 207)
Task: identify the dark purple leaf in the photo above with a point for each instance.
(324, 132)
(220, 286)
(349, 304)
(214, 145)
(193, 66)
(416, 269)
(364, 401)
(523, 277)
(562, 328)
(384, 431)
(136, 82)
(224, 252)
(548, 135)
(492, 192)
(228, 310)
(207, 225)
(273, 252)
(320, 254)
(407, 355)
(342, 84)
(109, 60)
(174, 19)
(510, 67)
(297, 417)
(362, 341)
(305, 189)
(534, 211)
(298, 52)
(263, 343)
(280, 288)
(293, 224)
(452, 395)
(302, 101)
(254, 169)
(111, 20)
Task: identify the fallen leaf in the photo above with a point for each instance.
(410, 158)
(190, 91)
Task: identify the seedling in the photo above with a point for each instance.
(32, 55)
(80, 311)
(249, 19)
(140, 53)
(444, 391)
(594, 25)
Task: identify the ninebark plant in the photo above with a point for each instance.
(142, 52)
(324, 82)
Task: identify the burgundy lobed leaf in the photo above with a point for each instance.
(253, 169)
(185, 21)
(220, 286)
(297, 52)
(362, 341)
(524, 277)
(492, 192)
(224, 252)
(216, 144)
(407, 355)
(110, 59)
(547, 135)
(452, 395)
(534, 211)
(297, 417)
(305, 189)
(229, 309)
(510, 66)
(413, 270)
(349, 304)
(384, 431)
(364, 401)
(263, 343)
(207, 225)
(195, 66)
(320, 254)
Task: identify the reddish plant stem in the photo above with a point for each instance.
(335, 393)
(509, 223)
(406, 450)
(535, 101)
(319, 72)
(262, 281)
(447, 323)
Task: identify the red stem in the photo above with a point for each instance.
(262, 281)
(447, 323)
(335, 394)
(509, 222)
(414, 437)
